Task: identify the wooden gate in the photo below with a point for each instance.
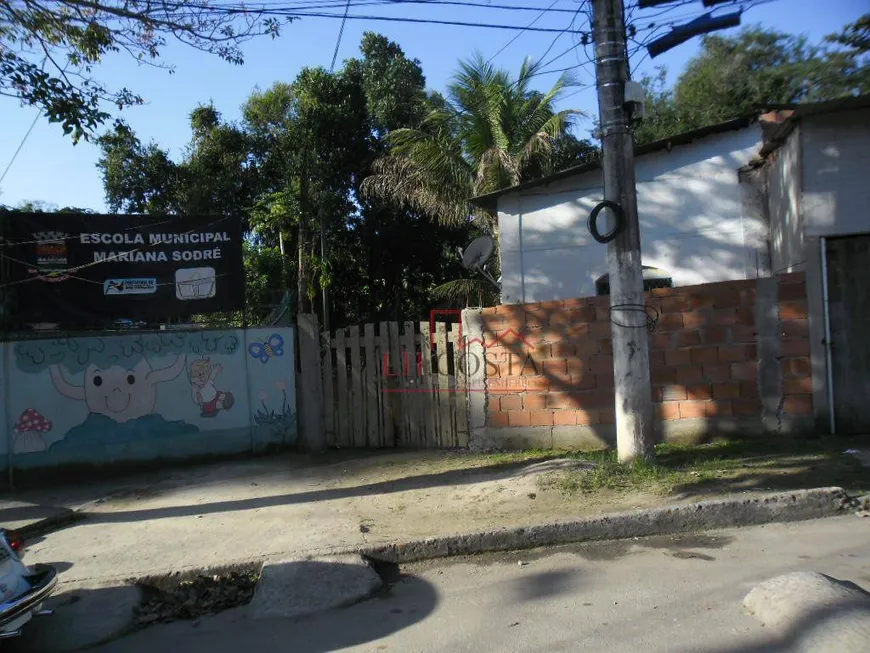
(395, 384)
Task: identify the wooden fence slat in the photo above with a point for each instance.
(364, 405)
(400, 437)
(371, 388)
(328, 391)
(460, 396)
(451, 379)
(387, 430)
(438, 394)
(342, 403)
(428, 403)
(358, 433)
(444, 395)
(411, 384)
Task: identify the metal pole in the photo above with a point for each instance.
(634, 424)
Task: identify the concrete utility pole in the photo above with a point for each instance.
(634, 418)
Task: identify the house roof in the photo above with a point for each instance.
(798, 111)
(489, 200)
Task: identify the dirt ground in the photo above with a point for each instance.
(291, 505)
(281, 506)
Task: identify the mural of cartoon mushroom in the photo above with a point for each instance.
(28, 432)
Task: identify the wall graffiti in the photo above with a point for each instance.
(120, 392)
(279, 422)
(271, 346)
(211, 401)
(137, 397)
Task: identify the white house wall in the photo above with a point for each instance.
(836, 182)
(787, 227)
(691, 219)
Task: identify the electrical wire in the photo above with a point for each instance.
(512, 40)
(20, 145)
(296, 12)
(340, 34)
(27, 133)
(562, 33)
(429, 21)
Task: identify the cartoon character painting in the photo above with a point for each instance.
(205, 395)
(121, 393)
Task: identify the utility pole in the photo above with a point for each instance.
(634, 416)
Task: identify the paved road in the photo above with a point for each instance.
(675, 594)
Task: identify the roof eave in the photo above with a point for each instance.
(490, 200)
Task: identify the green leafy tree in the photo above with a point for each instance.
(138, 178)
(489, 132)
(855, 36)
(48, 49)
(294, 162)
(733, 76)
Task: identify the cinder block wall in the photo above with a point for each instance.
(725, 357)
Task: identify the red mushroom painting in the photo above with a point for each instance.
(29, 429)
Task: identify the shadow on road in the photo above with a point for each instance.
(407, 603)
(543, 584)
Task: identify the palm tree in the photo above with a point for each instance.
(489, 132)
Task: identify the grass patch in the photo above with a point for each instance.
(607, 473)
(720, 467)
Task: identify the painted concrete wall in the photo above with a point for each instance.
(787, 227)
(139, 397)
(836, 192)
(692, 223)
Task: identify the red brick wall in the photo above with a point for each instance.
(551, 364)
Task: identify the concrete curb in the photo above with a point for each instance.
(705, 515)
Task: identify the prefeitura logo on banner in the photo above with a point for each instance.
(51, 256)
(129, 286)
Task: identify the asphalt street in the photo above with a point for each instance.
(675, 594)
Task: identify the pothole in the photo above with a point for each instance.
(190, 595)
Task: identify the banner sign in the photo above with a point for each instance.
(76, 268)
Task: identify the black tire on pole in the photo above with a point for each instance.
(619, 221)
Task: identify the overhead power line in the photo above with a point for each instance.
(340, 34)
(512, 40)
(20, 145)
(288, 11)
(430, 21)
(327, 4)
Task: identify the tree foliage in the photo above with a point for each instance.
(734, 76)
(48, 48)
(293, 163)
(488, 132)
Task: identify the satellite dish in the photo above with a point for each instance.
(477, 253)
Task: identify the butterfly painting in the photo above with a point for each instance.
(273, 346)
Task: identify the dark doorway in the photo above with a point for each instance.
(848, 263)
